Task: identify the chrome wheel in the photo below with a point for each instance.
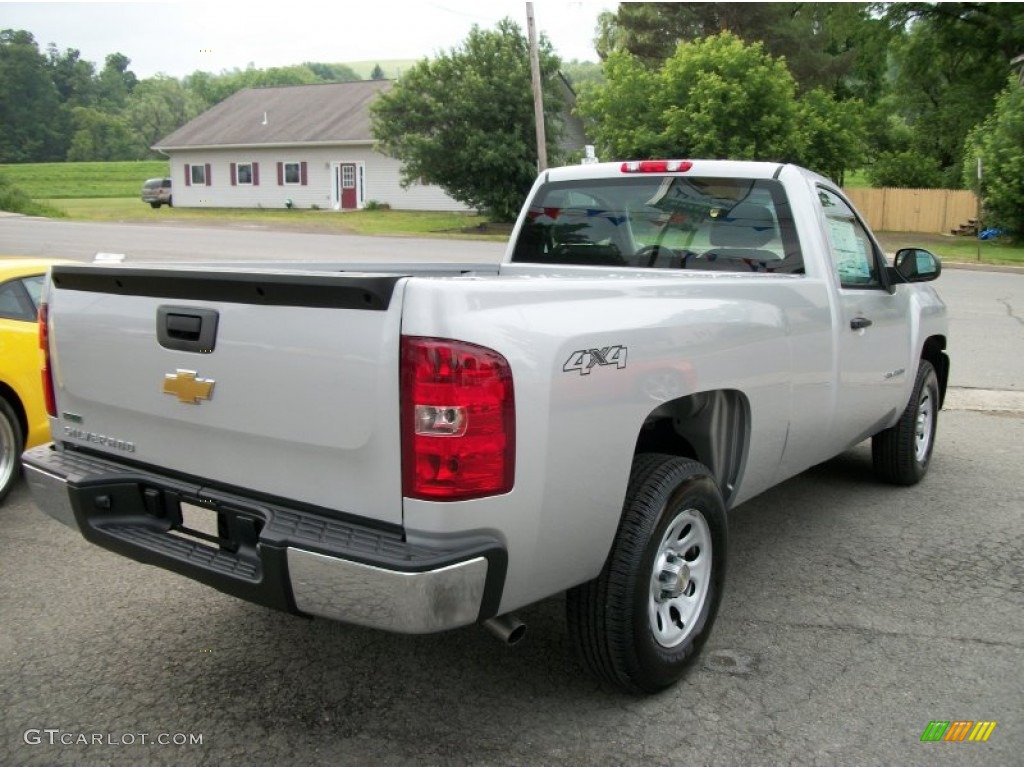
(8, 451)
(680, 579)
(923, 430)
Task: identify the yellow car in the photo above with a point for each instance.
(23, 422)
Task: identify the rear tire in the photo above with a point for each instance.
(640, 624)
(12, 443)
(902, 453)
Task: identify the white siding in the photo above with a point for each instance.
(381, 180)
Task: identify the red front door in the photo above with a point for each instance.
(349, 199)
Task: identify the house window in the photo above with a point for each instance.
(348, 176)
(291, 173)
(246, 174)
(199, 174)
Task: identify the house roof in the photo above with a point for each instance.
(294, 114)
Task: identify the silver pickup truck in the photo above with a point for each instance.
(420, 447)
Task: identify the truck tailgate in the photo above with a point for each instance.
(284, 384)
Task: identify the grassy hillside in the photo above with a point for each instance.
(71, 180)
(392, 67)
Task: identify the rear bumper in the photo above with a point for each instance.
(296, 560)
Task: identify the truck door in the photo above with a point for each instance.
(873, 335)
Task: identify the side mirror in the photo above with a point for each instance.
(916, 265)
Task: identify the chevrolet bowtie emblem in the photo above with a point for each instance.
(187, 387)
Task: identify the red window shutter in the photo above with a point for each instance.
(188, 175)
(302, 172)
(234, 175)
(209, 178)
(255, 174)
(280, 174)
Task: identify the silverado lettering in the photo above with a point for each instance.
(92, 437)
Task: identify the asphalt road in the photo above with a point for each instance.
(855, 614)
(28, 236)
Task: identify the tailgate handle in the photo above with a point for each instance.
(184, 326)
(187, 329)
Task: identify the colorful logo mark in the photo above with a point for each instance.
(958, 730)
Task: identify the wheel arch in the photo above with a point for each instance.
(711, 427)
(934, 351)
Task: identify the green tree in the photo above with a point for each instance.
(999, 143)
(830, 45)
(582, 74)
(332, 73)
(275, 76)
(30, 113)
(833, 134)
(204, 87)
(714, 98)
(464, 120)
(378, 73)
(910, 168)
(101, 137)
(158, 106)
(114, 83)
(624, 115)
(950, 61)
(211, 89)
(73, 77)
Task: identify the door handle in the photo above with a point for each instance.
(859, 323)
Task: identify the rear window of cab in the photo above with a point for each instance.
(662, 222)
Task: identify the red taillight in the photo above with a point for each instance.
(47, 374)
(656, 166)
(458, 420)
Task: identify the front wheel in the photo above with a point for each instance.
(644, 619)
(11, 444)
(901, 453)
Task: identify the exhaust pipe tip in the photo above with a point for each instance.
(507, 628)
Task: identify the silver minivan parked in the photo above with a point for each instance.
(156, 192)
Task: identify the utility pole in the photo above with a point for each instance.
(977, 220)
(538, 95)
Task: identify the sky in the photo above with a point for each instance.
(178, 38)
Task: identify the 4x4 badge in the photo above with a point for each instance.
(187, 387)
(583, 360)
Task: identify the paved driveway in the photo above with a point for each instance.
(855, 615)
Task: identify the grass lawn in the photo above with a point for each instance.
(83, 180)
(955, 249)
(402, 223)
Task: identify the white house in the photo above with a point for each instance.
(298, 145)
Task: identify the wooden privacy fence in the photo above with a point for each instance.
(914, 210)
